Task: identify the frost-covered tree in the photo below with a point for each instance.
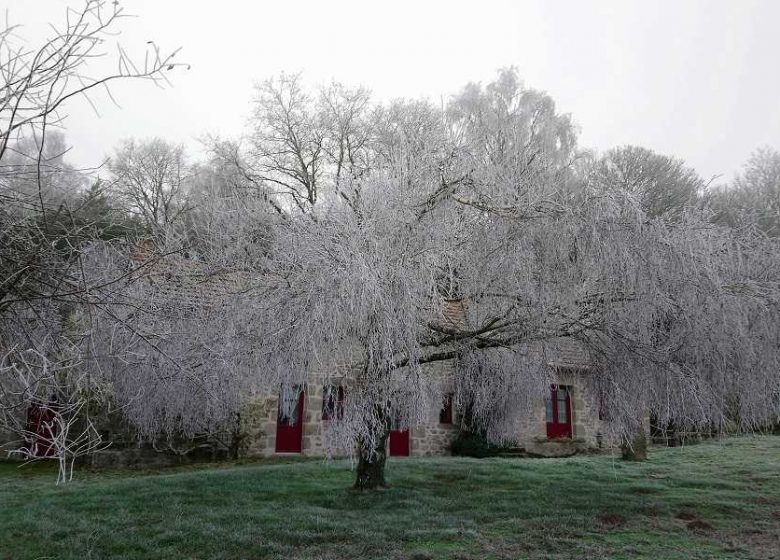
(43, 402)
(36, 85)
(345, 114)
(679, 316)
(753, 199)
(511, 132)
(662, 185)
(150, 177)
(43, 223)
(680, 319)
(288, 141)
(671, 311)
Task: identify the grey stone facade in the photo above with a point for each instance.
(434, 438)
(183, 281)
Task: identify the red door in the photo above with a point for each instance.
(399, 443)
(289, 425)
(558, 413)
(41, 429)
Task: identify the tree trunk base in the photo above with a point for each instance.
(371, 467)
(635, 449)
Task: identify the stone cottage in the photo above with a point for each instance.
(565, 422)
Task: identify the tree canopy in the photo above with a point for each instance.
(480, 205)
(383, 243)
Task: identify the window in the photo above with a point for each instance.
(563, 409)
(558, 412)
(602, 401)
(445, 414)
(548, 410)
(603, 412)
(289, 425)
(333, 402)
(290, 404)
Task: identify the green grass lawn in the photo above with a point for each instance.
(719, 499)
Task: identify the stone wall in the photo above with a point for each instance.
(432, 438)
(259, 419)
(264, 441)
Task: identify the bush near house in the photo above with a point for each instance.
(475, 444)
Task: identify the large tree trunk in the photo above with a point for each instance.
(371, 464)
(635, 448)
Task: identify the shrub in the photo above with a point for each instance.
(469, 444)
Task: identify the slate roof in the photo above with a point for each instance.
(177, 281)
(568, 353)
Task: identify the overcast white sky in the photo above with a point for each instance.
(698, 79)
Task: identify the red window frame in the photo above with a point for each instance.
(558, 412)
